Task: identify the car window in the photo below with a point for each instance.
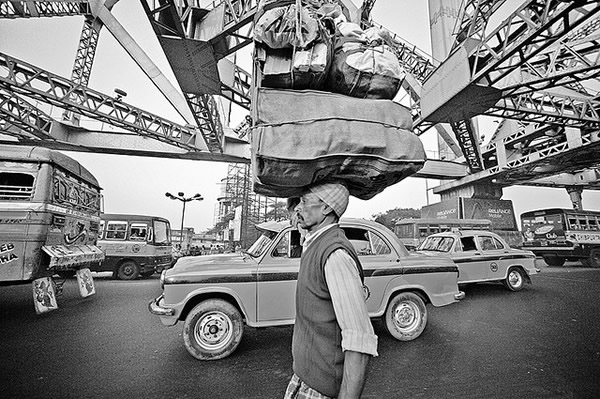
(281, 250)
(486, 243)
(261, 244)
(498, 243)
(467, 244)
(380, 247)
(289, 246)
(441, 244)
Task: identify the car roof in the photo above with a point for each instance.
(465, 233)
(277, 226)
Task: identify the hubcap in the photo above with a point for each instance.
(515, 279)
(213, 331)
(405, 316)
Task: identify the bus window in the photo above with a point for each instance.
(423, 231)
(138, 231)
(16, 186)
(116, 230)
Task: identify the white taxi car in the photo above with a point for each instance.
(483, 256)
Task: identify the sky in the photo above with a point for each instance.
(138, 184)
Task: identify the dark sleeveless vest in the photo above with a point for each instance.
(316, 343)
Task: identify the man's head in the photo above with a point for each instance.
(322, 204)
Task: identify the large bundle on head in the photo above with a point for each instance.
(303, 137)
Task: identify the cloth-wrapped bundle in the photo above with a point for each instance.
(303, 137)
(293, 44)
(364, 66)
(287, 26)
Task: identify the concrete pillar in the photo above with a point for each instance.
(575, 195)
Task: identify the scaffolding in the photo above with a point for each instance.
(240, 209)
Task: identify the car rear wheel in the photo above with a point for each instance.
(406, 316)
(213, 330)
(552, 260)
(128, 270)
(515, 280)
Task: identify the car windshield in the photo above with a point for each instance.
(440, 244)
(261, 244)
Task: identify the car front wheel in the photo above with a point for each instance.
(406, 316)
(212, 330)
(514, 280)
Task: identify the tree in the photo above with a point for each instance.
(391, 216)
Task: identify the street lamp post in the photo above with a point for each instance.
(181, 197)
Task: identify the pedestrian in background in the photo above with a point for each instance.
(333, 338)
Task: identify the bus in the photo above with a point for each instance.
(559, 235)
(134, 245)
(413, 231)
(49, 219)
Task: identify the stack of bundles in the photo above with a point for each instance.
(355, 133)
(364, 66)
(302, 137)
(293, 44)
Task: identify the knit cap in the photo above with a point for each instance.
(335, 195)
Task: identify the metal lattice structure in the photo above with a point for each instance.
(253, 209)
(535, 65)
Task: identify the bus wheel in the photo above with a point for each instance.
(406, 316)
(553, 260)
(514, 280)
(128, 270)
(594, 260)
(212, 330)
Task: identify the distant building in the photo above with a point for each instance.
(182, 245)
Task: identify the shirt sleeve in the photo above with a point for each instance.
(349, 303)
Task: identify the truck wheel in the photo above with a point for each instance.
(594, 259)
(128, 270)
(212, 330)
(406, 316)
(553, 260)
(514, 280)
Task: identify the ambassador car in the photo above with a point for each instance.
(483, 256)
(215, 295)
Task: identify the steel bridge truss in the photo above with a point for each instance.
(24, 79)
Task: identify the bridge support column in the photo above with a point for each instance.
(575, 195)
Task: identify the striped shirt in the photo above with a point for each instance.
(347, 296)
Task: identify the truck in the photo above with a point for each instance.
(49, 220)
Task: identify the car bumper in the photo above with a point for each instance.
(166, 314)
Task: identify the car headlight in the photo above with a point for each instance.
(162, 279)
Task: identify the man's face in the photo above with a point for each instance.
(310, 211)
